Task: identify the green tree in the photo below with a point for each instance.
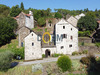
(7, 27)
(87, 23)
(41, 21)
(22, 6)
(58, 15)
(4, 10)
(15, 10)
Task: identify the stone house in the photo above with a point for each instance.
(50, 23)
(79, 16)
(32, 47)
(25, 24)
(72, 20)
(67, 44)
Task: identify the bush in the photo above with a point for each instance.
(85, 52)
(85, 60)
(5, 60)
(75, 53)
(18, 53)
(84, 33)
(64, 62)
(43, 56)
(97, 44)
(56, 55)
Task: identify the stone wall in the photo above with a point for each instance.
(93, 49)
(85, 39)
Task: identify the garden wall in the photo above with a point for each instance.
(93, 49)
(85, 39)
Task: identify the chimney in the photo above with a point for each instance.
(31, 13)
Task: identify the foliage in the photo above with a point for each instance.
(18, 52)
(4, 10)
(85, 60)
(49, 21)
(41, 21)
(43, 56)
(85, 52)
(5, 60)
(75, 53)
(45, 29)
(64, 62)
(22, 6)
(15, 10)
(84, 33)
(58, 15)
(97, 44)
(56, 55)
(7, 27)
(87, 23)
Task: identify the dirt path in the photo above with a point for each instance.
(51, 59)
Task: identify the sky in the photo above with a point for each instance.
(64, 4)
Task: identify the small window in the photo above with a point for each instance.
(62, 47)
(64, 35)
(71, 37)
(32, 34)
(32, 44)
(70, 45)
(63, 27)
(71, 28)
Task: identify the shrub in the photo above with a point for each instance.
(84, 33)
(75, 53)
(18, 53)
(80, 53)
(85, 52)
(43, 56)
(5, 60)
(97, 44)
(64, 62)
(56, 55)
(85, 60)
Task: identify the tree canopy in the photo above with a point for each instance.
(7, 27)
(87, 23)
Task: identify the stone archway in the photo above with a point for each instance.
(47, 53)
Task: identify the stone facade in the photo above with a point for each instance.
(25, 24)
(72, 20)
(69, 43)
(85, 40)
(32, 47)
(22, 33)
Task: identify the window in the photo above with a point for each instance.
(63, 27)
(32, 34)
(50, 24)
(32, 44)
(64, 35)
(62, 47)
(71, 37)
(70, 45)
(71, 28)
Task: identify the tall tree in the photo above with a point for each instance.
(15, 10)
(22, 6)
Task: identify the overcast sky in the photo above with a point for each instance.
(64, 4)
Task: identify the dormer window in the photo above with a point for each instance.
(63, 27)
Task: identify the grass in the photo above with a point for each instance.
(37, 29)
(86, 44)
(21, 70)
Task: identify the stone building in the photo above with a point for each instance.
(25, 24)
(79, 16)
(66, 42)
(32, 47)
(72, 20)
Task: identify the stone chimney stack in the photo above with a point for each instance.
(31, 13)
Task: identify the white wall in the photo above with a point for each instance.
(67, 41)
(32, 52)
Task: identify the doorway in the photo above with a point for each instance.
(47, 53)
